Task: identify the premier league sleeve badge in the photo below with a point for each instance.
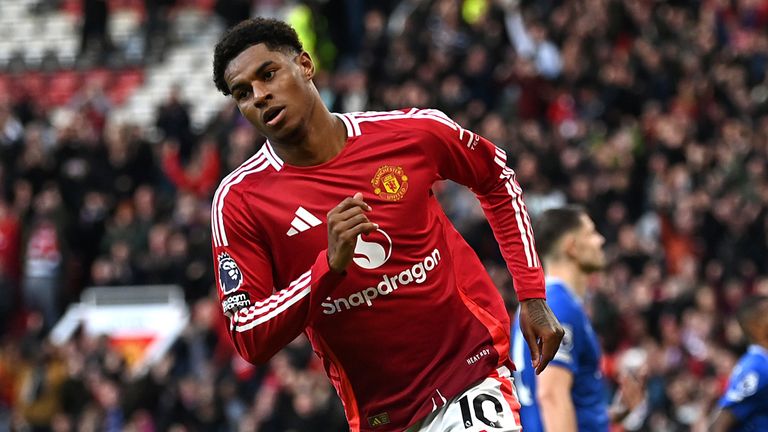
(230, 276)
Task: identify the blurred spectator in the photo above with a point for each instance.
(631, 405)
(92, 104)
(156, 26)
(11, 130)
(44, 256)
(10, 235)
(94, 40)
(653, 115)
(233, 11)
(533, 44)
(174, 122)
(200, 176)
(130, 162)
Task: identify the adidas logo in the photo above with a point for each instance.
(303, 221)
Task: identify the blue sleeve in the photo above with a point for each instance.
(568, 354)
(747, 387)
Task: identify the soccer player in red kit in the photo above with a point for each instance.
(332, 229)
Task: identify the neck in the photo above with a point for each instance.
(319, 140)
(569, 273)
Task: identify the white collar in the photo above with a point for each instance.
(757, 349)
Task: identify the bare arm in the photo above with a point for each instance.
(553, 393)
(724, 421)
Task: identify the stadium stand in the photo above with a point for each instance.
(653, 115)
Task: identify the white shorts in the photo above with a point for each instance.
(490, 405)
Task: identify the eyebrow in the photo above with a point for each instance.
(258, 70)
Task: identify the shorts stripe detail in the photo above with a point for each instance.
(508, 390)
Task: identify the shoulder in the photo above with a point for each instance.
(426, 120)
(749, 376)
(562, 304)
(754, 364)
(258, 167)
(229, 198)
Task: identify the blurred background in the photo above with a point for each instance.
(651, 114)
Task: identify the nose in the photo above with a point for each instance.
(260, 94)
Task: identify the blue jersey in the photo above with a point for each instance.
(747, 394)
(578, 353)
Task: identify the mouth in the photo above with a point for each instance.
(273, 115)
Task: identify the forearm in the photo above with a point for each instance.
(557, 413)
(724, 421)
(511, 225)
(473, 161)
(260, 330)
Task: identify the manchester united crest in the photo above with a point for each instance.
(390, 183)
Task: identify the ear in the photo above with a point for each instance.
(568, 246)
(306, 65)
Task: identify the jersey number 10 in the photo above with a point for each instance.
(477, 409)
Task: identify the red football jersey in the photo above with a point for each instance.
(415, 319)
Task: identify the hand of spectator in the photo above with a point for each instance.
(169, 147)
(541, 330)
(345, 222)
(631, 390)
(509, 6)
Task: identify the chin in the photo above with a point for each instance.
(292, 132)
(593, 267)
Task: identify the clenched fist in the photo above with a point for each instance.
(345, 222)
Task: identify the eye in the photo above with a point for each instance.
(241, 94)
(268, 75)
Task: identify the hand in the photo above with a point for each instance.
(345, 222)
(170, 147)
(631, 390)
(509, 5)
(541, 330)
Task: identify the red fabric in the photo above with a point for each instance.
(677, 246)
(561, 109)
(9, 246)
(416, 310)
(200, 181)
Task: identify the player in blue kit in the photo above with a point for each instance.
(569, 394)
(744, 407)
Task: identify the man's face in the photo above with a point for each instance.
(273, 90)
(760, 329)
(587, 248)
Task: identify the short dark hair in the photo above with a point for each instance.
(275, 34)
(553, 224)
(749, 310)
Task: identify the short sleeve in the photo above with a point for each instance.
(745, 389)
(567, 355)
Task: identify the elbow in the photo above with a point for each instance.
(256, 359)
(252, 354)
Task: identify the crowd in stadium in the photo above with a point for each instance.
(652, 115)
